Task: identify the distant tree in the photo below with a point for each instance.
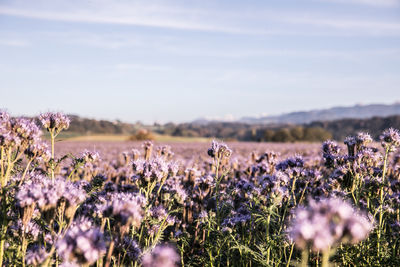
(268, 135)
(297, 133)
(142, 134)
(283, 135)
(316, 134)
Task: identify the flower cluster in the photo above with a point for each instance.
(214, 208)
(17, 132)
(219, 150)
(390, 139)
(54, 121)
(126, 209)
(161, 256)
(48, 194)
(82, 244)
(326, 223)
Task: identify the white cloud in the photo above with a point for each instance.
(144, 67)
(360, 25)
(375, 3)
(136, 18)
(253, 22)
(14, 43)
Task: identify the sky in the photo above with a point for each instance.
(162, 61)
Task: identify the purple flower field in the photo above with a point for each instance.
(196, 204)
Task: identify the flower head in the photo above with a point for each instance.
(36, 255)
(54, 121)
(329, 222)
(161, 256)
(81, 244)
(390, 139)
(219, 150)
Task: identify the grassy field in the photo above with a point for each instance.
(123, 138)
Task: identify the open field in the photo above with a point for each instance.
(123, 138)
(168, 203)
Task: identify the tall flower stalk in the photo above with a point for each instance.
(54, 123)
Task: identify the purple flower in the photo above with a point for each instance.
(330, 153)
(148, 148)
(161, 256)
(39, 151)
(390, 139)
(30, 229)
(292, 162)
(36, 255)
(329, 222)
(350, 142)
(82, 244)
(158, 213)
(90, 156)
(219, 150)
(129, 247)
(362, 139)
(126, 209)
(155, 169)
(54, 121)
(19, 132)
(46, 194)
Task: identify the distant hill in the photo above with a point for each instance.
(314, 131)
(345, 127)
(335, 113)
(314, 125)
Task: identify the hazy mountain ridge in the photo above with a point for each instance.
(335, 113)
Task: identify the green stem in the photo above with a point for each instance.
(109, 254)
(52, 154)
(290, 255)
(2, 162)
(25, 171)
(2, 243)
(10, 166)
(304, 258)
(23, 250)
(325, 258)
(381, 196)
(268, 238)
(182, 262)
(217, 191)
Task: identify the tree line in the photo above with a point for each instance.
(315, 131)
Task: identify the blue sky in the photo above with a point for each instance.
(180, 60)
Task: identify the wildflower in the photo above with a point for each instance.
(293, 162)
(148, 148)
(161, 256)
(158, 213)
(48, 194)
(30, 229)
(54, 121)
(90, 156)
(36, 255)
(39, 151)
(329, 222)
(390, 139)
(128, 247)
(126, 209)
(363, 139)
(219, 150)
(81, 244)
(330, 153)
(135, 154)
(350, 142)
